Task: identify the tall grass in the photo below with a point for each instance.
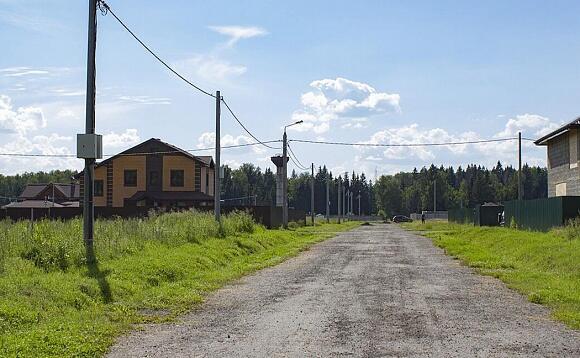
(543, 266)
(58, 245)
(148, 270)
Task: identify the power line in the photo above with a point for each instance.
(297, 165)
(406, 144)
(108, 9)
(26, 155)
(244, 127)
(297, 161)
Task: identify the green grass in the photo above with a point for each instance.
(545, 267)
(52, 303)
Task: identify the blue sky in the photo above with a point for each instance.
(373, 71)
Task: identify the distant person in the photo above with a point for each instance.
(422, 218)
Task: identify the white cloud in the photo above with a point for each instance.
(207, 140)
(67, 92)
(146, 99)
(16, 126)
(356, 123)
(341, 98)
(21, 120)
(210, 68)
(528, 124)
(125, 139)
(485, 153)
(26, 72)
(237, 33)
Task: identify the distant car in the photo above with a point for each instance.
(402, 219)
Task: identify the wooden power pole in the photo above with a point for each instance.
(520, 186)
(327, 199)
(312, 195)
(217, 170)
(89, 171)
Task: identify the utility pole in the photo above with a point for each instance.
(284, 180)
(89, 171)
(327, 200)
(312, 195)
(217, 171)
(339, 206)
(343, 194)
(434, 195)
(351, 203)
(358, 197)
(285, 175)
(520, 186)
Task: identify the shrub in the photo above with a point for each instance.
(572, 229)
(513, 223)
(58, 245)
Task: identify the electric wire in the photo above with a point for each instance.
(28, 155)
(295, 159)
(296, 164)
(244, 127)
(407, 144)
(107, 9)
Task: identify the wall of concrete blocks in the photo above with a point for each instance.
(563, 164)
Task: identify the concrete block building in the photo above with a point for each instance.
(563, 159)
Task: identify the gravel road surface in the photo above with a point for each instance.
(374, 291)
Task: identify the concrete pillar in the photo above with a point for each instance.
(277, 160)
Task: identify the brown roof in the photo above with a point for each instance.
(565, 128)
(168, 149)
(36, 204)
(32, 191)
(207, 159)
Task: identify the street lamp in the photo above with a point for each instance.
(285, 174)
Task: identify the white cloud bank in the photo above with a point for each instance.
(236, 33)
(531, 125)
(21, 120)
(19, 134)
(210, 68)
(341, 98)
(126, 139)
(207, 140)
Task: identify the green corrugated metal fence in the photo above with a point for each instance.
(542, 214)
(461, 215)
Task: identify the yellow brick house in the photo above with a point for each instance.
(153, 173)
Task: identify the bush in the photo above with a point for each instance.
(58, 245)
(513, 223)
(572, 229)
(295, 224)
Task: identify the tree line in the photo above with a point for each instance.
(401, 193)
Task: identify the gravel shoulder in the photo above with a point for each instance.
(374, 291)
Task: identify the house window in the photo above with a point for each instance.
(176, 178)
(130, 177)
(153, 178)
(561, 189)
(98, 188)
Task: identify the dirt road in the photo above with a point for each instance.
(374, 291)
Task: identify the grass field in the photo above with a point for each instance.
(543, 266)
(52, 303)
